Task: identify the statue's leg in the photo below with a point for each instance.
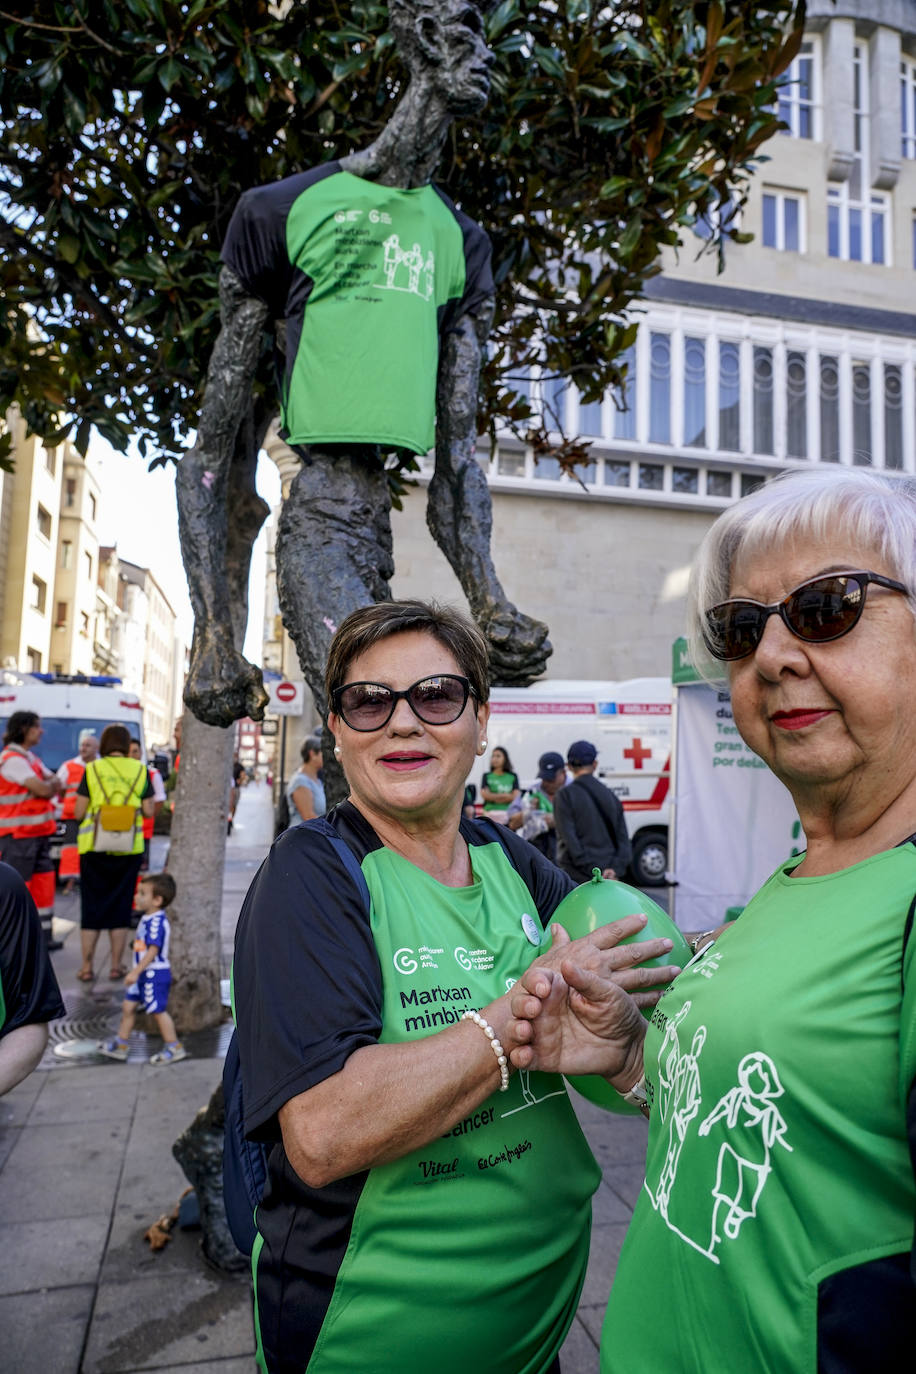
(333, 555)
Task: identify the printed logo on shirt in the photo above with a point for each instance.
(407, 960)
(406, 269)
(480, 959)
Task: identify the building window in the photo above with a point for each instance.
(907, 109)
(60, 620)
(511, 463)
(548, 469)
(651, 476)
(893, 417)
(66, 553)
(830, 410)
(857, 231)
(763, 400)
(750, 481)
(591, 419)
(44, 523)
(685, 480)
(718, 484)
(88, 557)
(616, 474)
(70, 492)
(694, 393)
(625, 419)
(783, 222)
(92, 506)
(729, 397)
(51, 460)
(84, 624)
(861, 414)
(799, 94)
(659, 389)
(39, 595)
(796, 405)
(34, 660)
(554, 391)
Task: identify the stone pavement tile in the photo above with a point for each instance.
(592, 1318)
(42, 1333)
(618, 1139)
(70, 1100)
(174, 1093)
(151, 1180)
(128, 1255)
(626, 1181)
(602, 1263)
(579, 1353)
(16, 1105)
(105, 1072)
(608, 1207)
(59, 1171)
(243, 1365)
(167, 1322)
(51, 1254)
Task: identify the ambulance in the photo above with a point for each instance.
(628, 722)
(68, 706)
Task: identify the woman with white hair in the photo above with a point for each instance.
(779, 1070)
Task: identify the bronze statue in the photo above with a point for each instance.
(334, 546)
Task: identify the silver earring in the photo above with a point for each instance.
(482, 747)
(337, 751)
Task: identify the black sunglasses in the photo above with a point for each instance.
(820, 610)
(437, 700)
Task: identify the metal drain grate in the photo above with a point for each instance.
(73, 1039)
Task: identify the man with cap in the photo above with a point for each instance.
(590, 825)
(532, 813)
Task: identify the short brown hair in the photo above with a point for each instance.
(162, 885)
(371, 624)
(115, 740)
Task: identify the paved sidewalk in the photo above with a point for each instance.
(86, 1166)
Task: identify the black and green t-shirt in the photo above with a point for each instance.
(28, 988)
(503, 783)
(368, 279)
(775, 1227)
(470, 1252)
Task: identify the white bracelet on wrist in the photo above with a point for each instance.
(490, 1033)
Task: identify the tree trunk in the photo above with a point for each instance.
(196, 857)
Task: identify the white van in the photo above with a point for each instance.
(629, 724)
(67, 706)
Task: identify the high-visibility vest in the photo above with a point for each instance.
(120, 782)
(75, 770)
(23, 815)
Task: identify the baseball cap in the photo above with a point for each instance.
(581, 754)
(549, 765)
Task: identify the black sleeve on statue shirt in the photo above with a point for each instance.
(30, 991)
(307, 982)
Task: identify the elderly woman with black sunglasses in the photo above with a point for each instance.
(775, 1227)
(426, 1208)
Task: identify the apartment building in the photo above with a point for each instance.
(146, 647)
(29, 520)
(74, 630)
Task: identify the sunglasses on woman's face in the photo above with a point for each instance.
(818, 611)
(436, 700)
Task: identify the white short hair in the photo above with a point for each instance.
(876, 510)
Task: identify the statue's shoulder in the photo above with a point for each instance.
(277, 197)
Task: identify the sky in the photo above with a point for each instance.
(137, 513)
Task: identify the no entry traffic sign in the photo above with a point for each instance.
(286, 698)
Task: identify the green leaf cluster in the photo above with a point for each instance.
(131, 127)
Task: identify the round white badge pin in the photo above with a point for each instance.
(531, 928)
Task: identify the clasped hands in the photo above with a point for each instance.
(577, 1009)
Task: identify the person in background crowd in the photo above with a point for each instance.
(531, 815)
(774, 1228)
(29, 995)
(590, 824)
(236, 783)
(150, 979)
(108, 880)
(500, 786)
(27, 792)
(402, 1229)
(159, 796)
(70, 774)
(305, 791)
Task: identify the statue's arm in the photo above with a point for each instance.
(460, 514)
(222, 686)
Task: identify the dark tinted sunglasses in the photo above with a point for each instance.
(820, 610)
(370, 705)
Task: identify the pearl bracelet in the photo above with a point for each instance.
(497, 1048)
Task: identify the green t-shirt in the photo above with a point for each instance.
(368, 278)
(779, 1067)
(505, 784)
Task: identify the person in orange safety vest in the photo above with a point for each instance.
(70, 774)
(27, 820)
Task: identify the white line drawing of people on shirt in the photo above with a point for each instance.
(412, 260)
(739, 1180)
(528, 1095)
(679, 1077)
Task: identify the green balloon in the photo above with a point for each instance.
(594, 904)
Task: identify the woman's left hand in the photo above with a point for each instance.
(603, 953)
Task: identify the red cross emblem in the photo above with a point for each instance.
(637, 753)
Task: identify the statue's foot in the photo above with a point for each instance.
(222, 686)
(519, 647)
